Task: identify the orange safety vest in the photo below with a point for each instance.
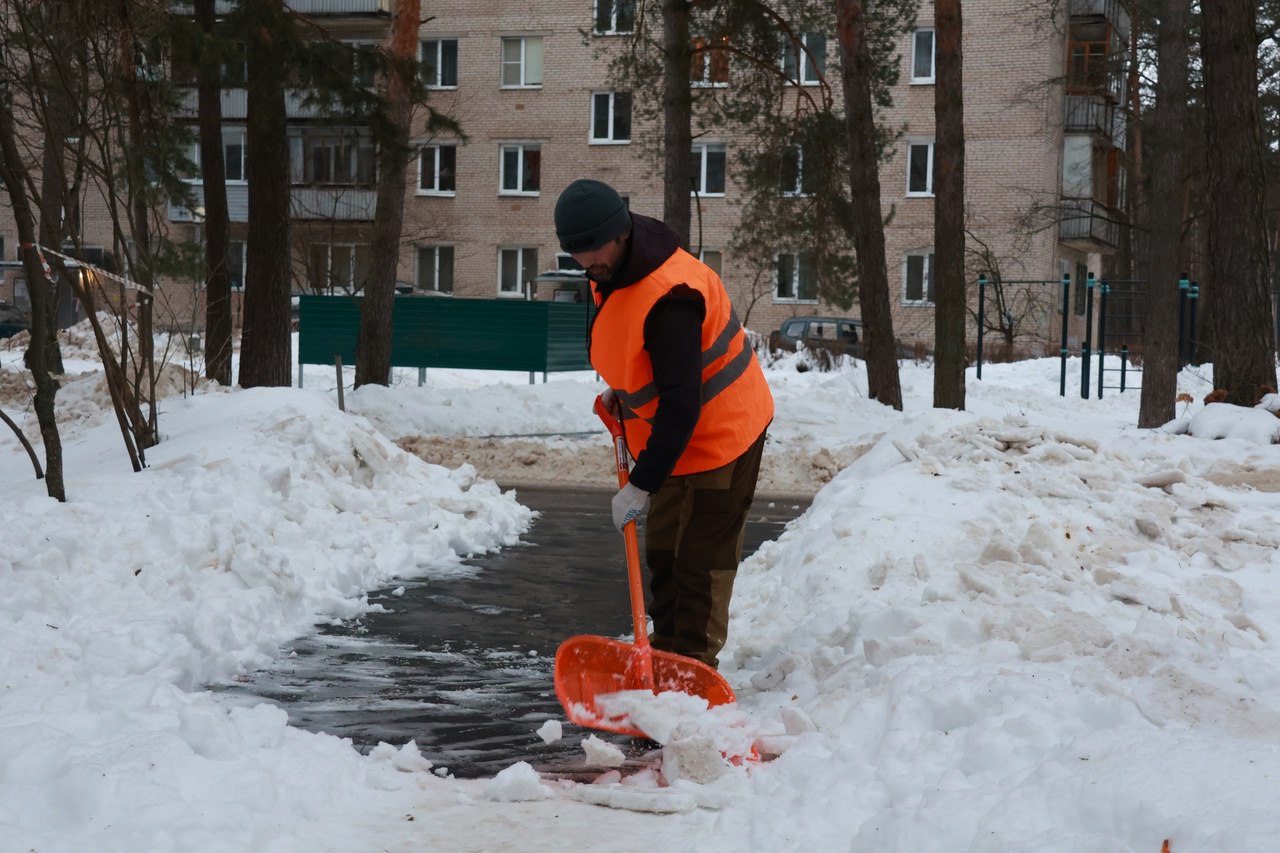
(736, 402)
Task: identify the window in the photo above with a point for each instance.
(233, 155)
(922, 55)
(515, 267)
(437, 170)
(615, 16)
(708, 169)
(338, 267)
(611, 117)
(711, 258)
(710, 62)
(920, 168)
(795, 278)
(521, 169)
(522, 61)
(804, 67)
(566, 263)
(235, 263)
(364, 63)
(917, 279)
(435, 269)
(796, 179)
(439, 63)
(341, 159)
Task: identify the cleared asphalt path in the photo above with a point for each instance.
(463, 666)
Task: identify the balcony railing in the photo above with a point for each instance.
(235, 105)
(1088, 225)
(345, 204)
(349, 204)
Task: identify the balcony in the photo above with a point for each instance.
(1088, 226)
(343, 204)
(1095, 115)
(235, 105)
(1112, 11)
(311, 8)
(348, 204)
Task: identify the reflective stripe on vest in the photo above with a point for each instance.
(711, 385)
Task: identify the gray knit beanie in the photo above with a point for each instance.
(589, 214)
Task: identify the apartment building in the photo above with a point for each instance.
(528, 84)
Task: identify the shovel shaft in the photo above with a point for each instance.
(631, 540)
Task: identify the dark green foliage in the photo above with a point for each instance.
(769, 120)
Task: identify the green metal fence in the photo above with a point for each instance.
(479, 334)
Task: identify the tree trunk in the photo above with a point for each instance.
(265, 338)
(1163, 247)
(949, 357)
(677, 118)
(14, 173)
(143, 267)
(373, 353)
(217, 226)
(867, 226)
(1236, 303)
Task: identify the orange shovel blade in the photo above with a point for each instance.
(588, 667)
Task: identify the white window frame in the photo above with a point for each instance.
(429, 165)
(916, 35)
(715, 266)
(803, 59)
(926, 284)
(912, 147)
(705, 78)
(702, 151)
(438, 62)
(612, 29)
(794, 299)
(230, 134)
(435, 256)
(526, 261)
(797, 190)
(521, 149)
(529, 78)
(611, 100)
(349, 283)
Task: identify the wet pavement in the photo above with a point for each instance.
(463, 665)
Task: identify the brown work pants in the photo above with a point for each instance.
(693, 544)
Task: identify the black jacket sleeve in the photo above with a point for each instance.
(673, 339)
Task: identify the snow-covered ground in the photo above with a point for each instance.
(1029, 626)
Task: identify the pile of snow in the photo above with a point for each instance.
(1027, 626)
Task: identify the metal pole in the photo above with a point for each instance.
(1193, 296)
(1086, 351)
(982, 306)
(1103, 290)
(1066, 313)
(1183, 287)
(1124, 362)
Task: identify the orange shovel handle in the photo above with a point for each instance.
(632, 542)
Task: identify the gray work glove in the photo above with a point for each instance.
(629, 503)
(611, 404)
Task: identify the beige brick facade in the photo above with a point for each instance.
(1015, 56)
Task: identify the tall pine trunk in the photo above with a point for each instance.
(265, 338)
(373, 355)
(868, 225)
(217, 226)
(1163, 248)
(948, 223)
(1236, 299)
(677, 118)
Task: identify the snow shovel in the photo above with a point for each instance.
(589, 667)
